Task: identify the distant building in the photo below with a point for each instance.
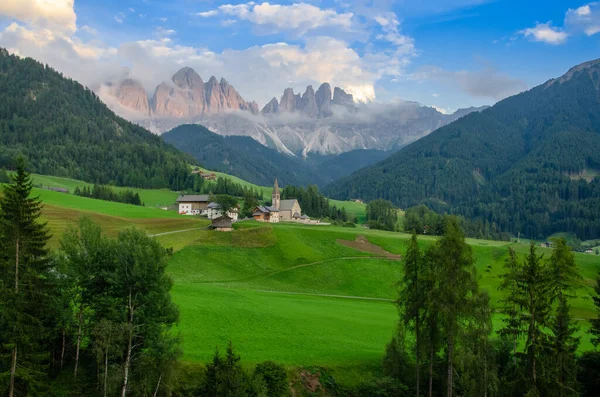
(287, 208)
(214, 211)
(266, 214)
(222, 224)
(208, 176)
(192, 204)
(59, 189)
(589, 251)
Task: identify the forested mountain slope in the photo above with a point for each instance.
(531, 163)
(65, 130)
(246, 158)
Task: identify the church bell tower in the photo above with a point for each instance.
(276, 198)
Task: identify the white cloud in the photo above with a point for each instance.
(207, 14)
(546, 33)
(584, 19)
(435, 95)
(162, 32)
(55, 14)
(441, 110)
(299, 17)
(120, 17)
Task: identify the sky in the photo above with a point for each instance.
(448, 54)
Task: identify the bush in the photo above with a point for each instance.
(275, 378)
(350, 224)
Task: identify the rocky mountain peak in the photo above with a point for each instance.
(188, 78)
(271, 107)
(341, 98)
(132, 95)
(308, 104)
(323, 98)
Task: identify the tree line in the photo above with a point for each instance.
(455, 350)
(315, 204)
(107, 193)
(424, 220)
(196, 184)
(92, 318)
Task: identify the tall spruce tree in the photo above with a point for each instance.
(534, 296)
(455, 290)
(411, 300)
(513, 327)
(564, 280)
(23, 285)
(595, 328)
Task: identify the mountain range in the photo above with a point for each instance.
(530, 164)
(245, 158)
(324, 121)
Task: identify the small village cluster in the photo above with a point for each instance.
(278, 211)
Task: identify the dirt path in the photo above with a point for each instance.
(362, 244)
(176, 231)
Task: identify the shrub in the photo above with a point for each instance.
(275, 378)
(384, 387)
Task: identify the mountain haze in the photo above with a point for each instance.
(325, 121)
(530, 164)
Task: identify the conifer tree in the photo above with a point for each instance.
(411, 301)
(23, 285)
(564, 280)
(595, 328)
(455, 290)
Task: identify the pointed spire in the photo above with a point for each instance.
(276, 187)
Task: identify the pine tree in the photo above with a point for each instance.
(564, 279)
(411, 301)
(455, 290)
(23, 288)
(513, 327)
(595, 328)
(534, 295)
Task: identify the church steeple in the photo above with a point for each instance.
(275, 197)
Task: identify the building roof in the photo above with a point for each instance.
(296, 214)
(304, 217)
(287, 205)
(213, 205)
(222, 221)
(193, 198)
(264, 210)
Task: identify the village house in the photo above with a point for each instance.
(222, 224)
(214, 211)
(192, 204)
(266, 214)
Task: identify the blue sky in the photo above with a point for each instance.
(443, 53)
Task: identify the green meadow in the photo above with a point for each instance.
(297, 294)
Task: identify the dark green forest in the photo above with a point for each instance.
(63, 129)
(529, 164)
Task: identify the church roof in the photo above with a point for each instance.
(276, 187)
(287, 205)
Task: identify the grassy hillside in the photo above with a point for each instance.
(300, 295)
(150, 197)
(63, 210)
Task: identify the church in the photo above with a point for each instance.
(280, 210)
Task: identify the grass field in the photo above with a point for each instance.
(150, 197)
(63, 210)
(294, 294)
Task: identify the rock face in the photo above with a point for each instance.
(131, 94)
(311, 104)
(186, 96)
